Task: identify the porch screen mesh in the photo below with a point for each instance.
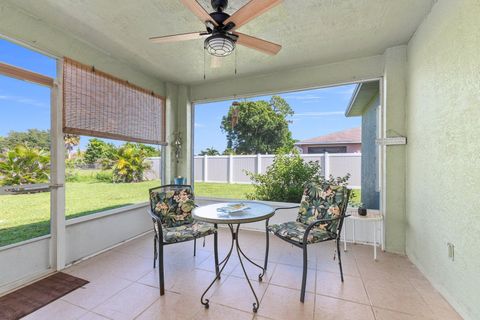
(98, 104)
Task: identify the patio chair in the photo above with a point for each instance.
(171, 211)
(320, 218)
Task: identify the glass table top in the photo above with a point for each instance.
(233, 212)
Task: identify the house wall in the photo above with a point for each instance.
(370, 194)
(443, 168)
(351, 148)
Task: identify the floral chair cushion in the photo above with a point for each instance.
(174, 207)
(322, 202)
(295, 231)
(187, 232)
(318, 202)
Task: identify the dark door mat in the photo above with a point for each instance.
(32, 297)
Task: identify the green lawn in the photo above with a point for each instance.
(24, 217)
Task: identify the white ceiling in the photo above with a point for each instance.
(310, 31)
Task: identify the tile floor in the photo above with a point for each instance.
(124, 285)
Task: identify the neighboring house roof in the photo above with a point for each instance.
(363, 95)
(348, 136)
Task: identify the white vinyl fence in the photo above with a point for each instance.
(232, 169)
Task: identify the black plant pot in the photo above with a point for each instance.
(362, 211)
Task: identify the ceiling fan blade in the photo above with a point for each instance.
(178, 37)
(250, 11)
(199, 11)
(258, 44)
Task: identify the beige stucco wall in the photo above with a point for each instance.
(443, 151)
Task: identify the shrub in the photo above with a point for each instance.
(129, 163)
(104, 176)
(285, 179)
(71, 175)
(24, 165)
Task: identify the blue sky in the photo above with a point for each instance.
(24, 105)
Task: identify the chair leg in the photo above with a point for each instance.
(194, 247)
(339, 259)
(161, 274)
(215, 252)
(304, 277)
(155, 251)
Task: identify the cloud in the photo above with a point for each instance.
(24, 100)
(319, 114)
(199, 125)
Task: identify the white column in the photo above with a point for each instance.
(326, 163)
(205, 168)
(230, 169)
(57, 197)
(259, 163)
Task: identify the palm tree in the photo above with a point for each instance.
(129, 163)
(210, 152)
(24, 165)
(71, 141)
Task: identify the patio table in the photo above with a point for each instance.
(253, 212)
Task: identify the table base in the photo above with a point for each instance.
(221, 265)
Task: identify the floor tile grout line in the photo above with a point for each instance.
(148, 307)
(364, 286)
(315, 291)
(101, 302)
(421, 296)
(358, 258)
(343, 299)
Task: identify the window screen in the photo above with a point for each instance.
(98, 104)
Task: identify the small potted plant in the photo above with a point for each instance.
(362, 211)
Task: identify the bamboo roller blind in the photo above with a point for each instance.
(98, 104)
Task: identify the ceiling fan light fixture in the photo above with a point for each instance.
(219, 45)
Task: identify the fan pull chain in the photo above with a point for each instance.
(204, 242)
(235, 53)
(204, 76)
(334, 254)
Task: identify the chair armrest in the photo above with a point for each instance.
(156, 220)
(313, 224)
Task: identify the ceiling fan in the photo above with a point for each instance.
(220, 35)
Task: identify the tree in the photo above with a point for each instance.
(210, 152)
(258, 126)
(97, 150)
(33, 138)
(71, 141)
(229, 151)
(150, 151)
